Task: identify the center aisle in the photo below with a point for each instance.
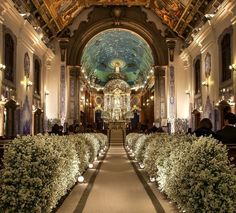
(117, 189)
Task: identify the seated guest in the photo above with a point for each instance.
(228, 133)
(204, 129)
(153, 128)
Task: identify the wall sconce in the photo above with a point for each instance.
(205, 83)
(2, 67)
(46, 93)
(187, 92)
(232, 67)
(26, 82)
(200, 109)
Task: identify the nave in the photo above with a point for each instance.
(71, 71)
(117, 188)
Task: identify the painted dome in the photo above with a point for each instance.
(117, 49)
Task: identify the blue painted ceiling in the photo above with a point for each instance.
(117, 46)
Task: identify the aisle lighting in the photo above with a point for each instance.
(152, 179)
(141, 166)
(81, 179)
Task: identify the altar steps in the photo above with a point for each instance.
(116, 137)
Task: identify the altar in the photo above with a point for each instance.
(117, 124)
(116, 100)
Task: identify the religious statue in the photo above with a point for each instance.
(117, 67)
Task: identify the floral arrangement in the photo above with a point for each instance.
(206, 178)
(39, 170)
(82, 150)
(153, 151)
(138, 145)
(131, 139)
(93, 143)
(181, 125)
(193, 172)
(102, 139)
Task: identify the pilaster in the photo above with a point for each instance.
(74, 95)
(159, 94)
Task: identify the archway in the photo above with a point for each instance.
(100, 20)
(133, 19)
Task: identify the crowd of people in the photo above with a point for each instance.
(71, 129)
(227, 134)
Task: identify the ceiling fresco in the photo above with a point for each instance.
(117, 49)
(182, 16)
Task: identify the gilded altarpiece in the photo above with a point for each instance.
(117, 99)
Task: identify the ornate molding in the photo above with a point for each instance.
(171, 47)
(63, 43)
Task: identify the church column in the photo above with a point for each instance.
(171, 82)
(73, 112)
(159, 95)
(63, 42)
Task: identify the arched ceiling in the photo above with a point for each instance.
(181, 16)
(117, 50)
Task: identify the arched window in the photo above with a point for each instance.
(197, 75)
(226, 57)
(9, 57)
(37, 71)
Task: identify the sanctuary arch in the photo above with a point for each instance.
(100, 19)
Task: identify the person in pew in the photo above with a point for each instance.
(228, 133)
(205, 129)
(153, 128)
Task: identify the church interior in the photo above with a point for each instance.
(101, 100)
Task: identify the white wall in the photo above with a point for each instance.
(28, 40)
(52, 85)
(206, 41)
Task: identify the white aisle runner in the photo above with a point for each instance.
(117, 189)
